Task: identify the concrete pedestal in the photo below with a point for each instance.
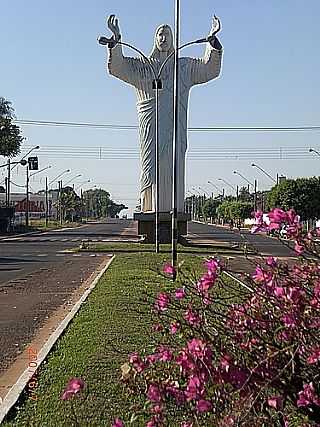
(147, 226)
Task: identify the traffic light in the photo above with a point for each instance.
(33, 163)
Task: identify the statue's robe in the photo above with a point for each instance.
(136, 72)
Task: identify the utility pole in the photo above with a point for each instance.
(8, 183)
(255, 195)
(47, 202)
(237, 192)
(175, 142)
(27, 196)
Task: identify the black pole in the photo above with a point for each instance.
(47, 202)
(175, 141)
(61, 210)
(255, 194)
(237, 192)
(27, 197)
(8, 183)
(157, 198)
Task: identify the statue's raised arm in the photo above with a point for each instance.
(207, 68)
(124, 68)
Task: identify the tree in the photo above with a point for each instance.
(209, 208)
(244, 195)
(235, 211)
(302, 195)
(98, 204)
(10, 135)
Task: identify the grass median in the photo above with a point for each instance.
(109, 325)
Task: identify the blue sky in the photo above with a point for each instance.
(53, 69)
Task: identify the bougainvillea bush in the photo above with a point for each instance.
(234, 355)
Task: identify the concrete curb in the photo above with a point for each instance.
(15, 391)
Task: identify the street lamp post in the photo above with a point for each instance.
(217, 188)
(72, 179)
(28, 176)
(243, 177)
(266, 173)
(312, 150)
(227, 183)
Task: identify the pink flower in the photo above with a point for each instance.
(154, 393)
(212, 264)
(165, 354)
(261, 275)
(277, 216)
(74, 386)
(307, 396)
(276, 402)
(118, 423)
(204, 406)
(174, 327)
(157, 327)
(314, 356)
(192, 317)
(271, 261)
(194, 388)
(289, 320)
(187, 424)
(152, 422)
(162, 301)
(137, 362)
(278, 291)
(225, 362)
(298, 248)
(169, 269)
(180, 293)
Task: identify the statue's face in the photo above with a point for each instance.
(164, 39)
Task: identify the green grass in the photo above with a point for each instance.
(105, 330)
(165, 249)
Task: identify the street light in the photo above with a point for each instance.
(226, 182)
(27, 189)
(26, 155)
(72, 179)
(204, 191)
(58, 176)
(312, 150)
(217, 188)
(266, 173)
(243, 177)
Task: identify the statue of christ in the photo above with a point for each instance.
(138, 73)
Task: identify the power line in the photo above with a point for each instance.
(303, 128)
(212, 153)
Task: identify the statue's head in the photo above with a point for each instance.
(163, 41)
(164, 38)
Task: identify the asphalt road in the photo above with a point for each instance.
(22, 255)
(264, 245)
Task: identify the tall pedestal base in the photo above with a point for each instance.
(147, 226)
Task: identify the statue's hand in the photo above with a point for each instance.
(215, 27)
(114, 27)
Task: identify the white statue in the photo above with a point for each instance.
(136, 72)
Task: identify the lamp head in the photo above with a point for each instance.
(310, 150)
(252, 164)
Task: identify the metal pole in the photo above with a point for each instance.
(27, 197)
(8, 183)
(157, 168)
(175, 140)
(61, 210)
(255, 194)
(237, 192)
(47, 202)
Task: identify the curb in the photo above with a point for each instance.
(15, 391)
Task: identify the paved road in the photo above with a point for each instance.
(263, 244)
(25, 254)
